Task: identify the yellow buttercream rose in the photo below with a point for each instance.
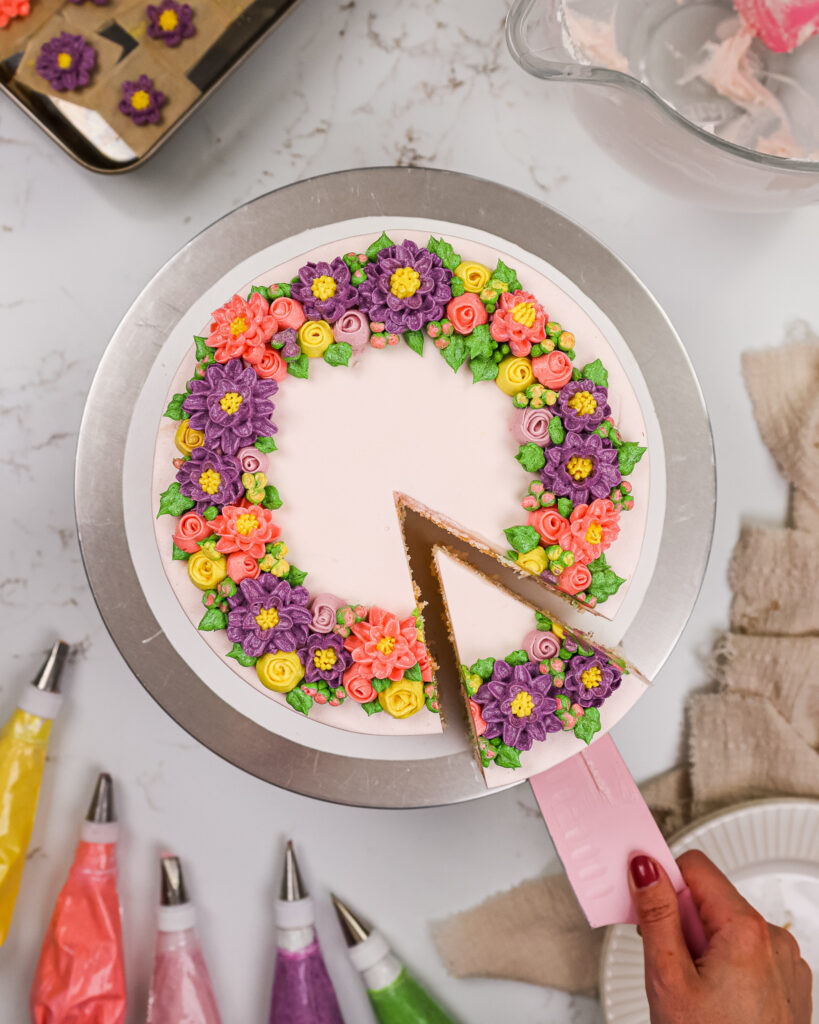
(403, 698)
(475, 276)
(534, 561)
(187, 439)
(206, 572)
(514, 374)
(315, 337)
(280, 671)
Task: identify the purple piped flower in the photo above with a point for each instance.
(210, 478)
(583, 405)
(590, 680)
(66, 62)
(325, 290)
(405, 288)
(325, 658)
(516, 705)
(141, 101)
(231, 404)
(267, 614)
(584, 467)
(170, 21)
(288, 341)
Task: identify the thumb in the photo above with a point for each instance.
(667, 959)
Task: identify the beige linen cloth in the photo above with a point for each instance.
(755, 734)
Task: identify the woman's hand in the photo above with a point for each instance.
(751, 972)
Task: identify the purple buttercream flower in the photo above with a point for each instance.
(325, 290)
(288, 341)
(405, 288)
(210, 478)
(325, 659)
(66, 62)
(231, 404)
(584, 467)
(583, 405)
(141, 101)
(590, 680)
(170, 21)
(267, 614)
(516, 705)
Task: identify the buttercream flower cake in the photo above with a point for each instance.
(259, 411)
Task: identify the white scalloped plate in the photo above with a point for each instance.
(770, 850)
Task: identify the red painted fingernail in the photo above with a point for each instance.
(644, 871)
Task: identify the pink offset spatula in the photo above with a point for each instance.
(782, 25)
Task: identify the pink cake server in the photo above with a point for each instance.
(782, 25)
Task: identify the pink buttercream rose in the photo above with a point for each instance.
(549, 524)
(190, 529)
(466, 313)
(288, 313)
(270, 365)
(532, 425)
(553, 370)
(590, 530)
(241, 566)
(520, 320)
(354, 328)
(358, 685)
(477, 718)
(575, 579)
(252, 460)
(541, 645)
(324, 608)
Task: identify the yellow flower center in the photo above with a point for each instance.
(141, 100)
(594, 534)
(246, 523)
(324, 659)
(386, 644)
(231, 402)
(592, 677)
(168, 20)
(323, 287)
(239, 326)
(209, 481)
(523, 705)
(524, 313)
(583, 403)
(578, 468)
(405, 282)
(267, 618)
(64, 60)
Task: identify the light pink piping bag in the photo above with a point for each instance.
(782, 25)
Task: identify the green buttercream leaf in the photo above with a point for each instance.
(372, 707)
(483, 369)
(384, 242)
(179, 555)
(483, 668)
(455, 352)
(414, 673)
(299, 367)
(271, 498)
(457, 286)
(604, 582)
(212, 620)
(557, 432)
(588, 725)
(522, 538)
(531, 457)
(175, 410)
(507, 275)
(628, 455)
(296, 576)
(380, 685)
(203, 350)
(240, 656)
(480, 343)
(543, 622)
(596, 373)
(415, 340)
(172, 503)
(576, 373)
(450, 259)
(516, 658)
(262, 290)
(565, 506)
(507, 757)
(211, 512)
(299, 700)
(338, 353)
(265, 444)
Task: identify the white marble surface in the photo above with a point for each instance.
(341, 84)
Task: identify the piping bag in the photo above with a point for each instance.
(181, 990)
(396, 996)
(598, 820)
(80, 977)
(782, 25)
(23, 746)
(302, 990)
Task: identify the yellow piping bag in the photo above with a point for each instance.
(23, 746)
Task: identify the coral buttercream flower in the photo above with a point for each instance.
(403, 698)
(210, 478)
(583, 405)
(231, 404)
(288, 313)
(242, 566)
(271, 366)
(142, 101)
(584, 467)
(267, 614)
(206, 572)
(241, 328)
(325, 290)
(66, 62)
(553, 370)
(358, 685)
(281, 671)
(549, 523)
(190, 529)
(516, 705)
(13, 9)
(170, 21)
(466, 313)
(591, 530)
(514, 374)
(353, 328)
(386, 647)
(245, 529)
(519, 320)
(589, 680)
(406, 287)
(186, 438)
(574, 579)
(477, 718)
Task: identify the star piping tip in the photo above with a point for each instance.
(354, 928)
(101, 808)
(173, 891)
(292, 885)
(48, 678)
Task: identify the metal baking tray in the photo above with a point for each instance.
(90, 140)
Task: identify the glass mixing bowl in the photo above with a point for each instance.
(654, 120)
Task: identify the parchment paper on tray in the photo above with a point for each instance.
(91, 17)
(16, 34)
(210, 20)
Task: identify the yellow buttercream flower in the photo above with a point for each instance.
(558, 631)
(514, 374)
(403, 698)
(534, 561)
(315, 337)
(475, 276)
(280, 671)
(186, 439)
(206, 573)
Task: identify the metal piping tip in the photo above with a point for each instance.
(292, 885)
(101, 808)
(48, 678)
(355, 930)
(174, 892)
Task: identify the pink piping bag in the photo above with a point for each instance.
(782, 25)
(80, 977)
(181, 990)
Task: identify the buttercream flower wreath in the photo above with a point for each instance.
(319, 649)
